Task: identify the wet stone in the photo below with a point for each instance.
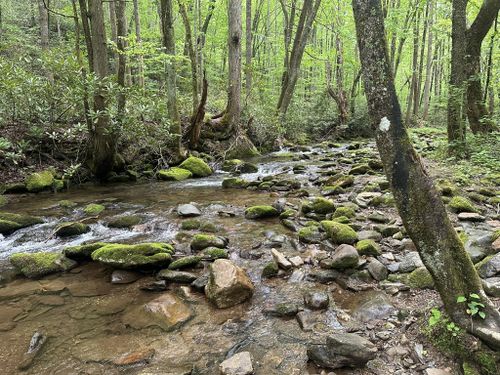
(188, 210)
(280, 310)
(238, 364)
(280, 259)
(410, 262)
(124, 277)
(306, 320)
(172, 276)
(316, 300)
(134, 358)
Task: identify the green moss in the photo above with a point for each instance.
(469, 369)
(174, 174)
(447, 188)
(288, 213)
(134, 256)
(190, 224)
(496, 235)
(318, 205)
(37, 265)
(67, 204)
(382, 200)
(420, 278)
(341, 219)
(310, 234)
(93, 209)
(461, 204)
(339, 233)
(231, 164)
(234, 182)
(71, 229)
(196, 166)
(58, 185)
(271, 269)
(202, 241)
(215, 253)
(332, 190)
(368, 247)
(185, 262)
(209, 227)
(82, 251)
(39, 181)
(360, 169)
(483, 264)
(463, 237)
(125, 221)
(10, 222)
(344, 211)
(3, 200)
(261, 212)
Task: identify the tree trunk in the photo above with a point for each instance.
(121, 42)
(477, 112)
(192, 55)
(170, 76)
(233, 109)
(112, 24)
(429, 63)
(418, 201)
(103, 142)
(458, 85)
(248, 49)
(414, 79)
(291, 76)
(138, 39)
(43, 18)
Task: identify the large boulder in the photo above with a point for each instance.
(39, 181)
(37, 265)
(10, 222)
(342, 350)
(174, 174)
(196, 166)
(145, 255)
(228, 284)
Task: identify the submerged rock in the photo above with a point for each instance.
(260, 212)
(71, 229)
(134, 256)
(174, 174)
(36, 265)
(125, 221)
(10, 222)
(238, 364)
(228, 284)
(196, 166)
(93, 209)
(342, 350)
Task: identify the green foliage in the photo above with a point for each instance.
(474, 305)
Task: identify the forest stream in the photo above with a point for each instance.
(94, 326)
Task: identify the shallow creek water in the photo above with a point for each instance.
(90, 323)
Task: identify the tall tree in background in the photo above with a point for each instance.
(477, 111)
(248, 48)
(170, 73)
(418, 201)
(232, 117)
(138, 40)
(121, 43)
(43, 18)
(103, 140)
(291, 74)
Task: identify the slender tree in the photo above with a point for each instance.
(418, 201)
(121, 43)
(138, 40)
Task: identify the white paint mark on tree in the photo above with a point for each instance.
(385, 124)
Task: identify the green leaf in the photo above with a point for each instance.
(461, 299)
(482, 314)
(475, 296)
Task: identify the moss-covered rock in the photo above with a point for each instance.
(339, 233)
(209, 227)
(71, 229)
(39, 181)
(144, 255)
(190, 224)
(202, 241)
(461, 204)
(368, 247)
(311, 234)
(215, 253)
(185, 262)
(37, 265)
(344, 211)
(261, 212)
(360, 169)
(420, 278)
(93, 209)
(10, 222)
(342, 219)
(231, 164)
(447, 188)
(82, 251)
(66, 204)
(332, 190)
(318, 205)
(196, 166)
(3, 201)
(271, 269)
(15, 188)
(234, 182)
(174, 174)
(127, 221)
(58, 185)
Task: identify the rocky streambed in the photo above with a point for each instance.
(295, 264)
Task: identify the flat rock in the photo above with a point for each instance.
(124, 277)
(188, 210)
(470, 216)
(176, 276)
(371, 305)
(238, 364)
(281, 260)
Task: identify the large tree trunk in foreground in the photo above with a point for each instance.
(477, 111)
(232, 117)
(458, 84)
(173, 112)
(419, 203)
(103, 140)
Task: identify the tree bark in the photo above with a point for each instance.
(121, 43)
(43, 18)
(248, 49)
(458, 84)
(418, 201)
(233, 109)
(477, 111)
(170, 73)
(103, 139)
(138, 40)
(429, 63)
(112, 25)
